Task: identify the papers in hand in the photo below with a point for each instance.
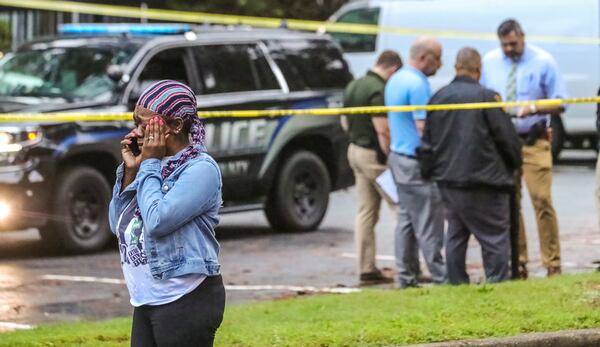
(385, 181)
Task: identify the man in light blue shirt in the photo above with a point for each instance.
(519, 71)
(409, 87)
(420, 210)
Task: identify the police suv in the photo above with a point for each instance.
(57, 176)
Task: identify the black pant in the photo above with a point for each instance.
(485, 213)
(192, 320)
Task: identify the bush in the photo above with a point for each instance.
(5, 37)
(296, 9)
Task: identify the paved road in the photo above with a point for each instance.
(37, 285)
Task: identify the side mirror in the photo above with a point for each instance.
(114, 72)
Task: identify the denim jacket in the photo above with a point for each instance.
(180, 214)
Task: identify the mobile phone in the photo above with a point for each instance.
(134, 147)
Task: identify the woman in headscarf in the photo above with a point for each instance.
(164, 211)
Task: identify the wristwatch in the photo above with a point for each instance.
(532, 109)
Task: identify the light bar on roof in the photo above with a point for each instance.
(136, 29)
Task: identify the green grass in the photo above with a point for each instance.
(375, 317)
(109, 333)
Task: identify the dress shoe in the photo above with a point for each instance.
(523, 273)
(554, 271)
(376, 277)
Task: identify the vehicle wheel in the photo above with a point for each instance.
(558, 136)
(79, 212)
(299, 198)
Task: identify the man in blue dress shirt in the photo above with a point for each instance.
(420, 211)
(519, 71)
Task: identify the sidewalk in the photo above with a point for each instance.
(567, 338)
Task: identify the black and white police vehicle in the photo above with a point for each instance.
(57, 176)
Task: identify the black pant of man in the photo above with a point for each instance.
(485, 213)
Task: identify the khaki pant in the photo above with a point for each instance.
(537, 172)
(366, 169)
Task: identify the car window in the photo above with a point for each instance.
(72, 73)
(291, 73)
(358, 42)
(166, 65)
(233, 68)
(311, 64)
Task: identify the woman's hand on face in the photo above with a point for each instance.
(154, 140)
(130, 160)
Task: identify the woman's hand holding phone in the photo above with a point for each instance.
(131, 161)
(129, 145)
(154, 145)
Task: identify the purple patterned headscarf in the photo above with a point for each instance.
(172, 99)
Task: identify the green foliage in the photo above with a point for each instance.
(5, 38)
(375, 317)
(297, 9)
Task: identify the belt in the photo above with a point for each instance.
(364, 146)
(406, 155)
(544, 136)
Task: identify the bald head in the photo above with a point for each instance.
(424, 45)
(468, 62)
(426, 55)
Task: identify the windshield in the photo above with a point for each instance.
(69, 73)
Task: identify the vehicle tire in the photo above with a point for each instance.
(79, 220)
(299, 198)
(558, 136)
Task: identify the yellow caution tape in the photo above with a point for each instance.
(385, 109)
(90, 117)
(201, 17)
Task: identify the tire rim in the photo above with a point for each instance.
(305, 194)
(85, 212)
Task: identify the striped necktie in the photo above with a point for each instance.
(511, 83)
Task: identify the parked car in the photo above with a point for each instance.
(578, 63)
(57, 176)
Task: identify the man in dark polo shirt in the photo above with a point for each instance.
(369, 145)
(475, 156)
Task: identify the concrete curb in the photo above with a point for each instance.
(566, 338)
